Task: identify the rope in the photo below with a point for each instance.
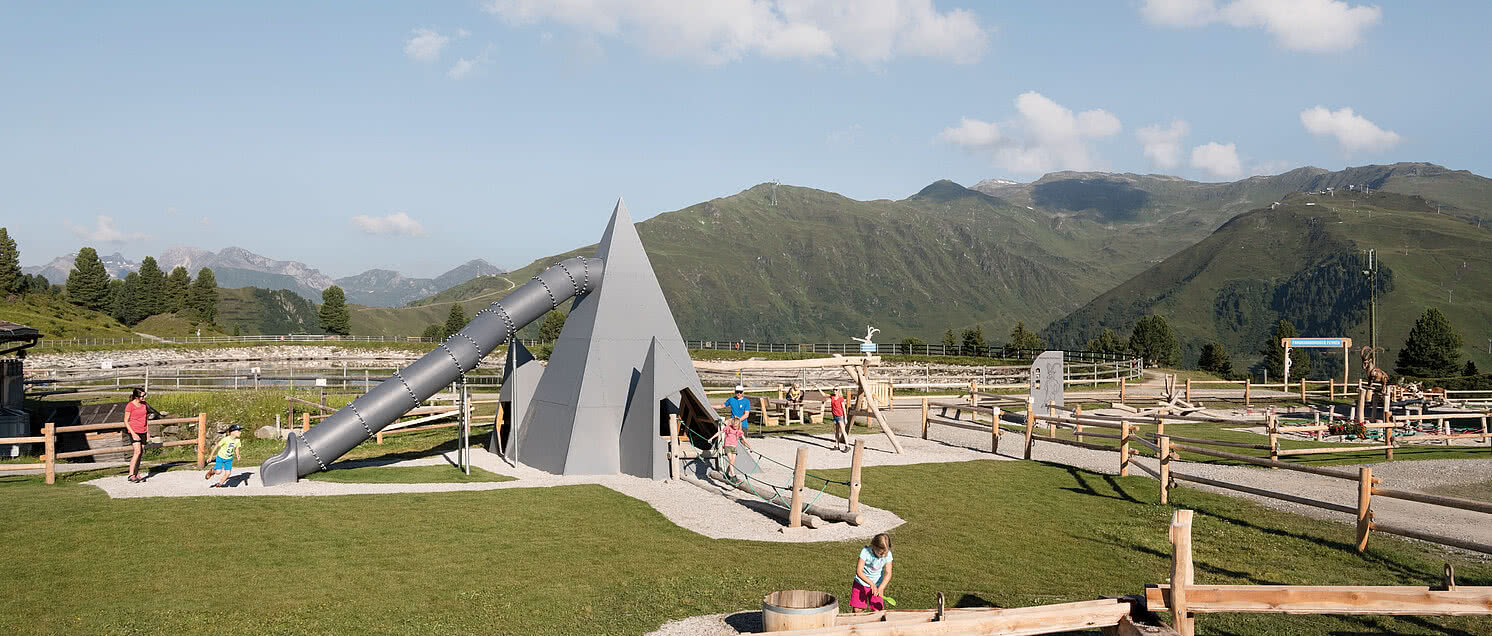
(745, 480)
(759, 455)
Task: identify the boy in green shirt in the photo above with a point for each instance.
(223, 455)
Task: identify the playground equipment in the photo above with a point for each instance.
(601, 406)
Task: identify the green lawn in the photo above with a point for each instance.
(585, 559)
(407, 475)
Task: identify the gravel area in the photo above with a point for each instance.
(691, 507)
(713, 625)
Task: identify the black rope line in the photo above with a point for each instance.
(448, 352)
(303, 442)
(566, 270)
(408, 390)
(360, 419)
(553, 304)
(473, 346)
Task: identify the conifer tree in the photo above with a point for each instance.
(454, 321)
(432, 333)
(1215, 360)
(203, 300)
(1470, 370)
(1153, 340)
(973, 339)
(554, 323)
(127, 300)
(1023, 338)
(152, 289)
(12, 280)
(948, 340)
(1106, 342)
(333, 315)
(178, 288)
(88, 283)
(1433, 349)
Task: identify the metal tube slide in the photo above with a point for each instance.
(414, 384)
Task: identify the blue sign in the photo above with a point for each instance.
(1331, 343)
(867, 347)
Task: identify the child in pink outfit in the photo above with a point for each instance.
(730, 434)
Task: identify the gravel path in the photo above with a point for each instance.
(691, 507)
(1402, 475)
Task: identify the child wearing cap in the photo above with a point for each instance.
(223, 455)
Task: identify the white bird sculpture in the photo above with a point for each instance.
(870, 332)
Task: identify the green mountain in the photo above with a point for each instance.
(1302, 261)
(256, 311)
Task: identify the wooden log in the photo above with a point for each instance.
(1124, 449)
(201, 441)
(1214, 442)
(807, 520)
(1364, 506)
(1274, 437)
(1365, 600)
(1435, 500)
(860, 378)
(1181, 572)
(1248, 392)
(1188, 389)
(1305, 501)
(994, 433)
(800, 469)
(1334, 449)
(673, 445)
(1030, 425)
(82, 428)
(924, 418)
(946, 421)
(1433, 538)
(305, 422)
(856, 460)
(5, 467)
(1042, 619)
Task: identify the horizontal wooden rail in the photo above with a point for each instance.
(1315, 470)
(1305, 501)
(963, 424)
(1042, 619)
(1334, 449)
(36, 439)
(1434, 500)
(1214, 442)
(5, 467)
(1442, 416)
(1432, 538)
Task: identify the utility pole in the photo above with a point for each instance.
(1372, 273)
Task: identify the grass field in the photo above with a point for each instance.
(585, 559)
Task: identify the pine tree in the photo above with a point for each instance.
(152, 292)
(1106, 342)
(554, 323)
(129, 300)
(334, 316)
(432, 333)
(973, 339)
(1433, 349)
(1215, 360)
(12, 280)
(203, 300)
(88, 283)
(454, 321)
(1274, 353)
(1470, 370)
(1153, 340)
(1023, 338)
(948, 340)
(178, 288)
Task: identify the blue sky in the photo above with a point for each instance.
(416, 136)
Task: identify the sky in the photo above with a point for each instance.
(417, 136)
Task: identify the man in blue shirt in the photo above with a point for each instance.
(740, 407)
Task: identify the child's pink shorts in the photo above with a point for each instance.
(862, 597)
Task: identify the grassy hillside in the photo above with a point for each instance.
(256, 311)
(1302, 262)
(57, 318)
(169, 325)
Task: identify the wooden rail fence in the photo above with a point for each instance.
(50, 431)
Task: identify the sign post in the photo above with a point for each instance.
(1345, 344)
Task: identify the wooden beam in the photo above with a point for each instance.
(1327, 599)
(1042, 619)
(800, 469)
(855, 463)
(1182, 577)
(875, 411)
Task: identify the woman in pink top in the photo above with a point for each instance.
(134, 423)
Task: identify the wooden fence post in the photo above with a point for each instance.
(924, 418)
(1362, 402)
(1273, 424)
(1316, 421)
(973, 388)
(800, 469)
(1164, 444)
(1302, 391)
(1388, 440)
(1484, 430)
(49, 430)
(1030, 424)
(1188, 389)
(1364, 506)
(1077, 428)
(1181, 572)
(1124, 449)
(305, 422)
(1123, 382)
(994, 430)
(1248, 391)
(855, 461)
(201, 441)
(379, 436)
(1331, 388)
(1051, 426)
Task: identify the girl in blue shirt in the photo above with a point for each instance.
(872, 575)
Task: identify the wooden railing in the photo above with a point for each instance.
(50, 431)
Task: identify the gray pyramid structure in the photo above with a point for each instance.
(521, 373)
(573, 425)
(644, 452)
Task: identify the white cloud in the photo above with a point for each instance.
(972, 132)
(466, 65)
(1047, 136)
(1300, 25)
(1218, 160)
(104, 231)
(1353, 132)
(867, 31)
(1162, 145)
(425, 45)
(396, 223)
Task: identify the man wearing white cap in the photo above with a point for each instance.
(740, 407)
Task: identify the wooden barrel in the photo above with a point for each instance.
(798, 609)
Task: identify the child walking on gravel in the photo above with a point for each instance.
(872, 575)
(730, 434)
(223, 455)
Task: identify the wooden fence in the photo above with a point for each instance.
(50, 431)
